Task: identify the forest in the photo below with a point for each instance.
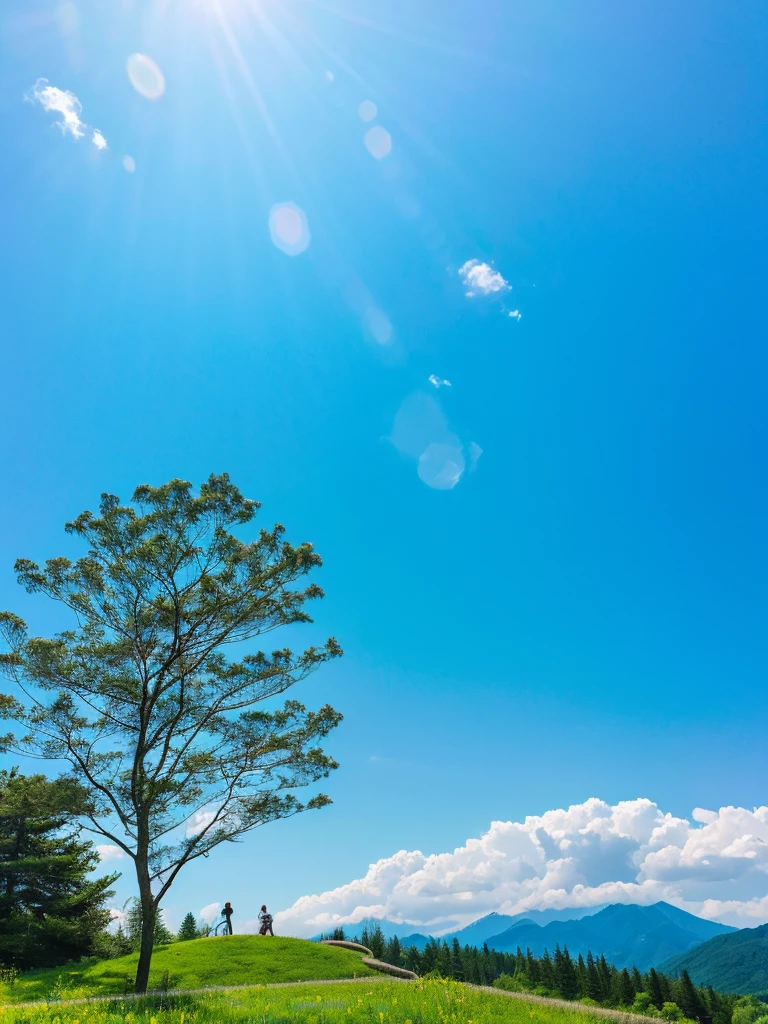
(591, 981)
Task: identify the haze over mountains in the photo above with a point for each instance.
(626, 934)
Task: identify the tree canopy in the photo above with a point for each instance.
(172, 739)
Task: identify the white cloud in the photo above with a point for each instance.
(209, 913)
(200, 821)
(109, 852)
(60, 102)
(516, 314)
(475, 451)
(481, 279)
(98, 140)
(438, 382)
(590, 854)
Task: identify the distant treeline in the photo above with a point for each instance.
(592, 981)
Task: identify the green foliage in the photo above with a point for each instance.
(228, 960)
(134, 921)
(188, 929)
(748, 1010)
(138, 696)
(734, 963)
(51, 911)
(671, 1011)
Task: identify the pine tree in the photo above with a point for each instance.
(457, 964)
(654, 989)
(50, 910)
(688, 998)
(413, 960)
(376, 942)
(626, 992)
(594, 987)
(637, 980)
(581, 977)
(188, 928)
(444, 960)
(604, 973)
(568, 982)
(134, 925)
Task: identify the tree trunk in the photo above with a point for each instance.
(148, 915)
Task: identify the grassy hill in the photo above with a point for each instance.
(228, 960)
(731, 963)
(382, 1002)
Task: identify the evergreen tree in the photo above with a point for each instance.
(547, 971)
(604, 974)
(581, 977)
(637, 980)
(413, 960)
(50, 910)
(376, 942)
(444, 960)
(594, 986)
(457, 964)
(568, 982)
(688, 998)
(654, 989)
(188, 928)
(626, 991)
(134, 925)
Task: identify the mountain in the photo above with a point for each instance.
(627, 935)
(736, 962)
(480, 931)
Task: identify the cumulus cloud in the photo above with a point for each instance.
(61, 101)
(209, 913)
(438, 382)
(516, 314)
(481, 279)
(583, 856)
(109, 852)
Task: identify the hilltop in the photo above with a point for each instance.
(226, 960)
(737, 962)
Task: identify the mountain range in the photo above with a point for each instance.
(736, 962)
(626, 934)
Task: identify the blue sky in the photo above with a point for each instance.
(583, 613)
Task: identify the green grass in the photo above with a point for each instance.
(228, 960)
(383, 1002)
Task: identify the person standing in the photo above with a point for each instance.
(266, 922)
(227, 914)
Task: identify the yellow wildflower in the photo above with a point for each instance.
(319, 999)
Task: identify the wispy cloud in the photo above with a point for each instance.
(438, 382)
(481, 279)
(61, 101)
(516, 314)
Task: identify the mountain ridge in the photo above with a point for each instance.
(734, 962)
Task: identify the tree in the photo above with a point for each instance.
(168, 735)
(626, 989)
(188, 929)
(50, 910)
(655, 989)
(689, 1000)
(134, 926)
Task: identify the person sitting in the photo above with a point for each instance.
(227, 914)
(266, 922)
